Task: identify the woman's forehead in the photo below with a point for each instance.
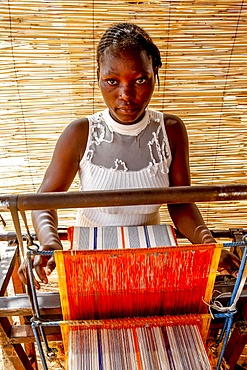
(137, 59)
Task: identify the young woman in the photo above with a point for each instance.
(125, 146)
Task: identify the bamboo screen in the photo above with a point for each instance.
(48, 79)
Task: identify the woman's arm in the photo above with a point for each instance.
(61, 172)
(187, 217)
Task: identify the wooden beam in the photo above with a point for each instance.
(19, 305)
(105, 198)
(24, 334)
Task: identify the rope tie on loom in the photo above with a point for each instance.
(240, 282)
(16, 220)
(15, 217)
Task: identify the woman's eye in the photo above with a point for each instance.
(141, 81)
(112, 82)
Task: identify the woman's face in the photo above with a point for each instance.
(126, 80)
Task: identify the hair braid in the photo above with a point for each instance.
(124, 35)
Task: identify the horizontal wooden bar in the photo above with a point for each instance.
(178, 194)
(24, 334)
(19, 305)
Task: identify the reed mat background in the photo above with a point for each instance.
(48, 79)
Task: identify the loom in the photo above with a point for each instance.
(141, 300)
(153, 328)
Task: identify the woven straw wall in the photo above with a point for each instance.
(48, 78)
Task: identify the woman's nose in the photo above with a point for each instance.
(126, 92)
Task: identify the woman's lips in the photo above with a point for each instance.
(127, 109)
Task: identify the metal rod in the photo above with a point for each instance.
(39, 345)
(35, 306)
(229, 322)
(31, 286)
(178, 194)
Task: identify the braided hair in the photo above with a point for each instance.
(123, 36)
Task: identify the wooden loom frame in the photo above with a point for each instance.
(20, 359)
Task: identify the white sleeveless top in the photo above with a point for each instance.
(121, 156)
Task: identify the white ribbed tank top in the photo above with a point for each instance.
(121, 156)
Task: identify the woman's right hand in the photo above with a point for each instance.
(43, 266)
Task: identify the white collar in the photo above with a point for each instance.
(131, 130)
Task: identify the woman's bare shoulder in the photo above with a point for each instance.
(78, 125)
(77, 129)
(74, 137)
(176, 131)
(172, 120)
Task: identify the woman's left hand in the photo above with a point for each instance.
(229, 263)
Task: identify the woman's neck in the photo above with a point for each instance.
(131, 130)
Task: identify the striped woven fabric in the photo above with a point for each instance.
(170, 343)
(111, 237)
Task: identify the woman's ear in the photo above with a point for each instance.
(98, 72)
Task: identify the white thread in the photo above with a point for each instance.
(217, 305)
